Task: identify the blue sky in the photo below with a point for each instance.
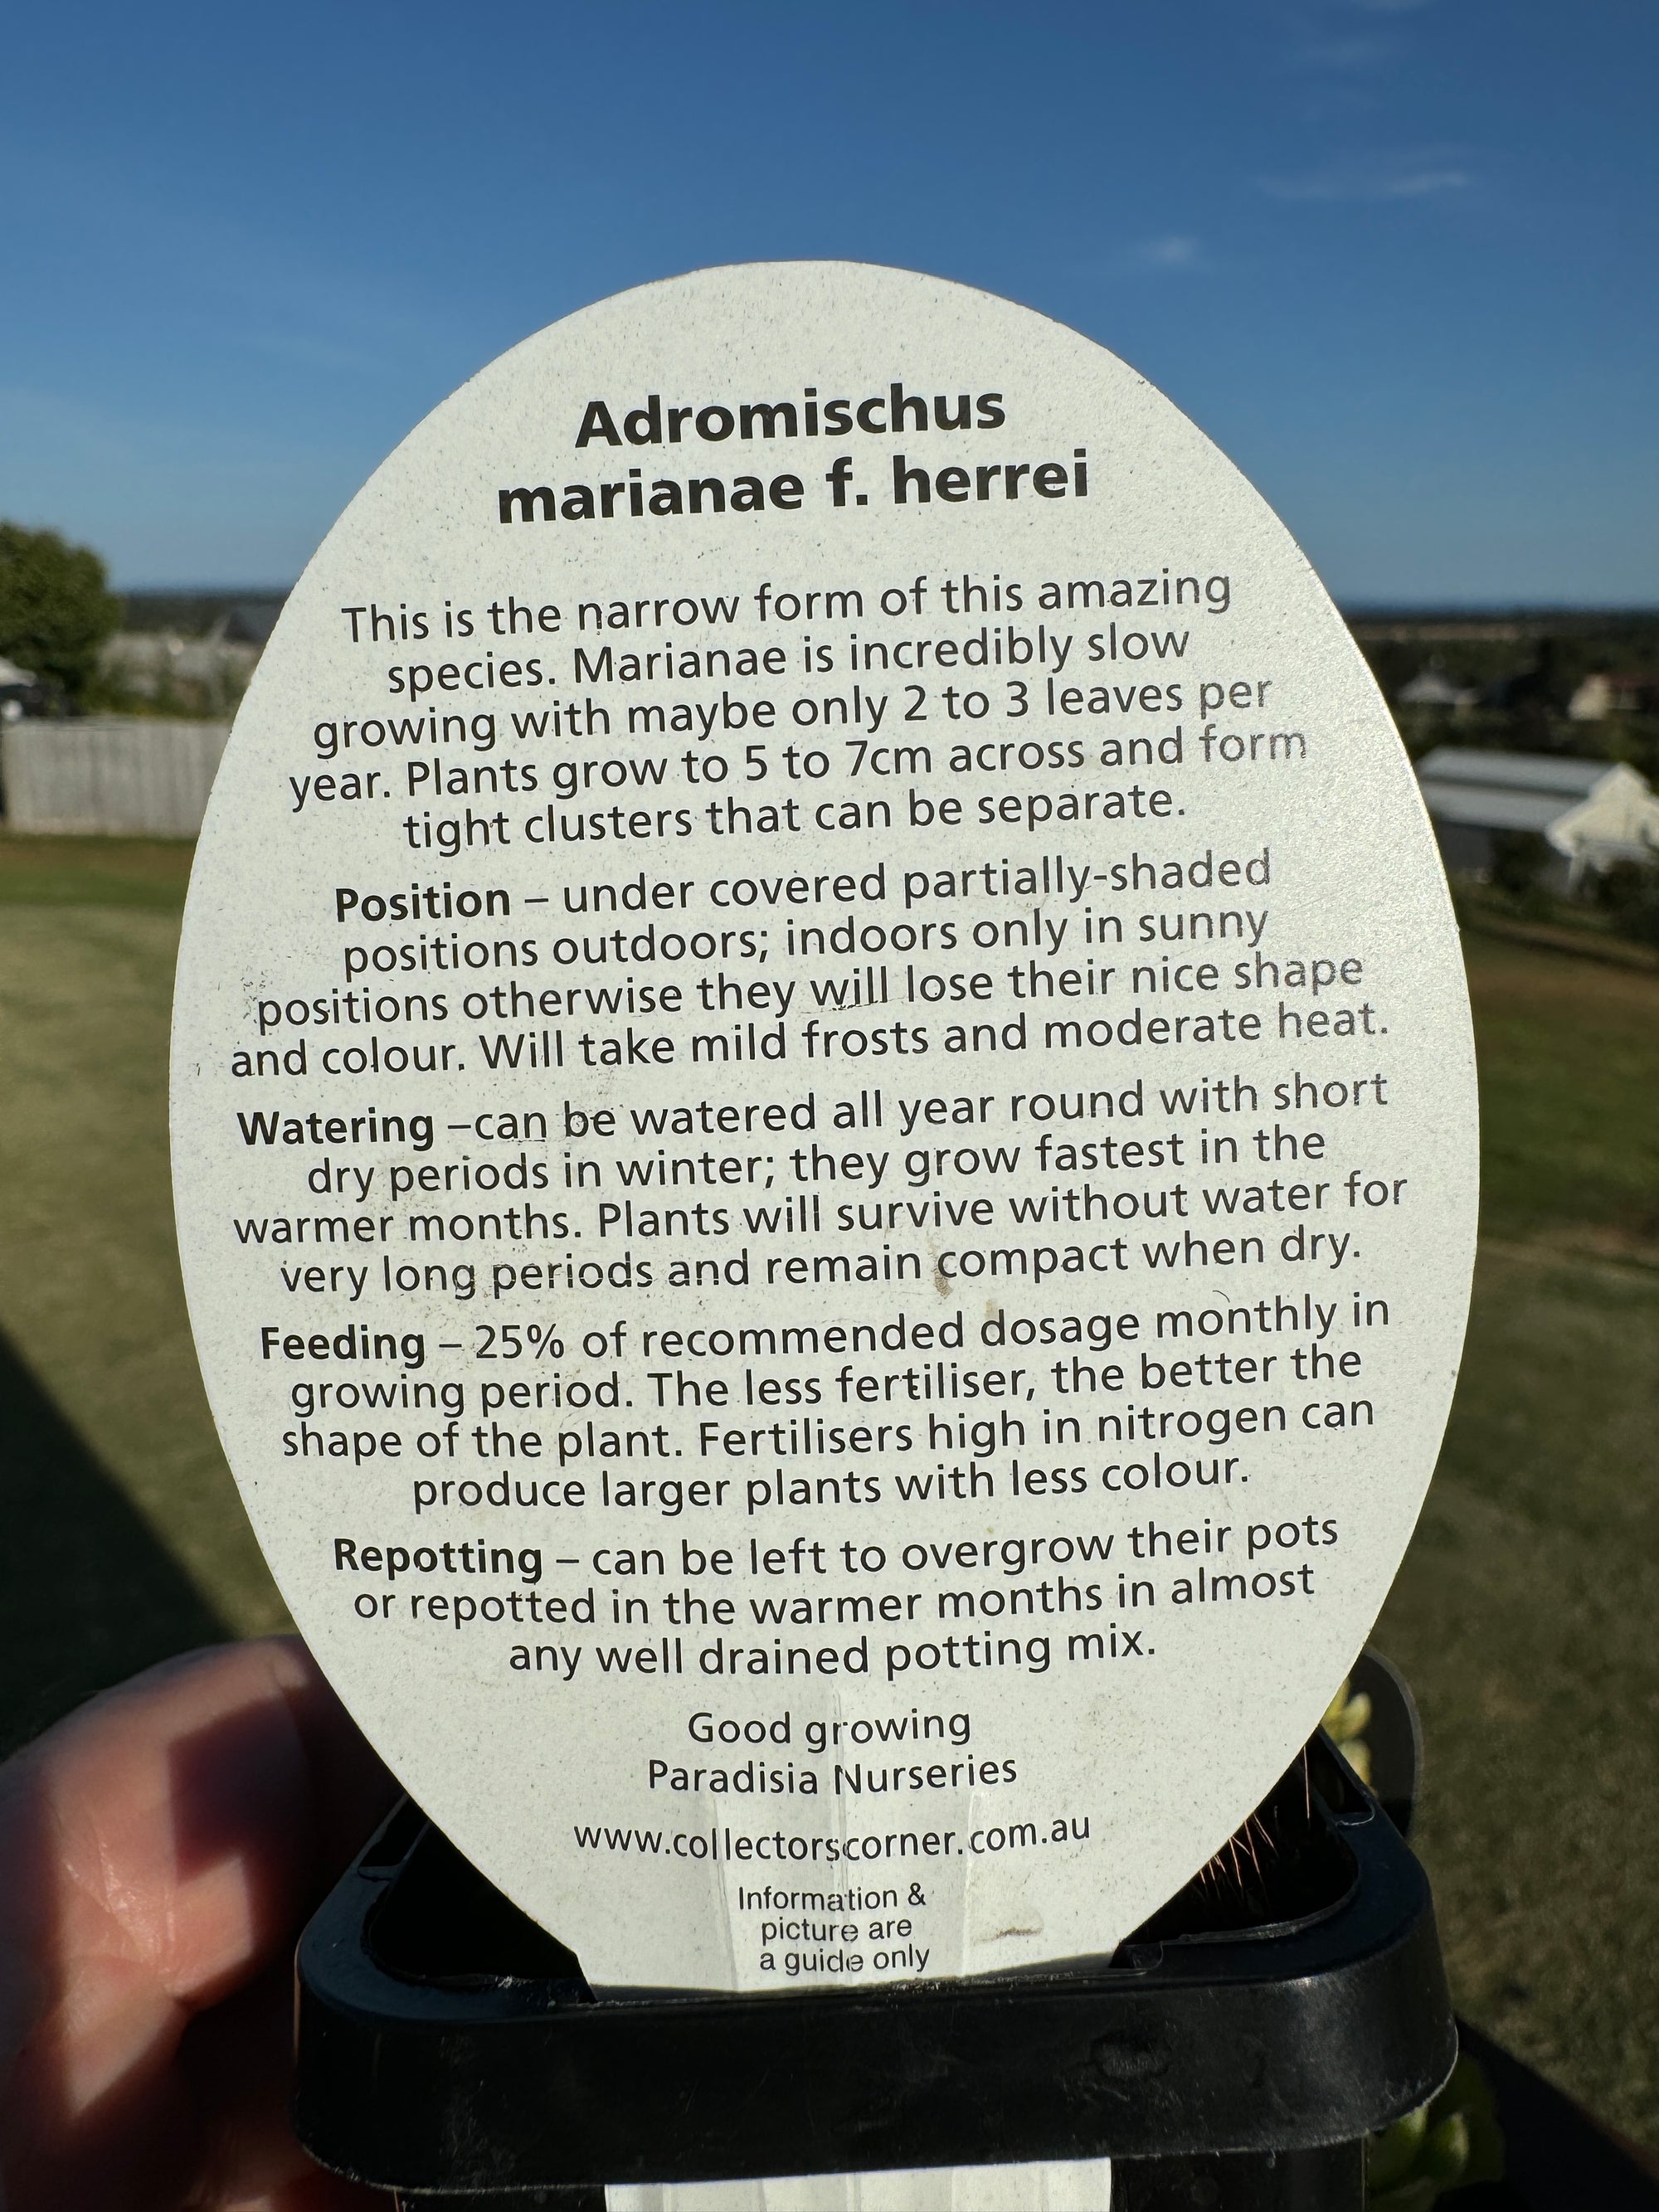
(1397, 256)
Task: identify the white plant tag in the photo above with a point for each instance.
(824, 1132)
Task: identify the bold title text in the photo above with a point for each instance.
(893, 413)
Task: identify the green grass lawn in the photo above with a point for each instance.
(1523, 1615)
(125, 1537)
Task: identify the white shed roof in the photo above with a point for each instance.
(1480, 806)
(1541, 772)
(1592, 811)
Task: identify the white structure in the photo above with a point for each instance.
(1604, 694)
(13, 683)
(1591, 813)
(1432, 687)
(149, 660)
(114, 775)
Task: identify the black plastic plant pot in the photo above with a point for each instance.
(1289, 2000)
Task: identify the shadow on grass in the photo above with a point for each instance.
(88, 1594)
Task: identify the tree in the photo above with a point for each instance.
(56, 608)
(1519, 858)
(1630, 892)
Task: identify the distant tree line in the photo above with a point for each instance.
(1521, 672)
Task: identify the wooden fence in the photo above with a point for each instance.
(113, 775)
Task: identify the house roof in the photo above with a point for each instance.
(1563, 779)
(10, 673)
(1432, 687)
(1482, 806)
(1590, 811)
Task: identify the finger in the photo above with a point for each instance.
(312, 2192)
(190, 1814)
(238, 2062)
(158, 1849)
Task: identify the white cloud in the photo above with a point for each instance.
(1346, 39)
(1406, 176)
(1175, 251)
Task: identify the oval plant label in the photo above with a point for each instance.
(825, 1131)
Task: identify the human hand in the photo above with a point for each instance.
(160, 1851)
